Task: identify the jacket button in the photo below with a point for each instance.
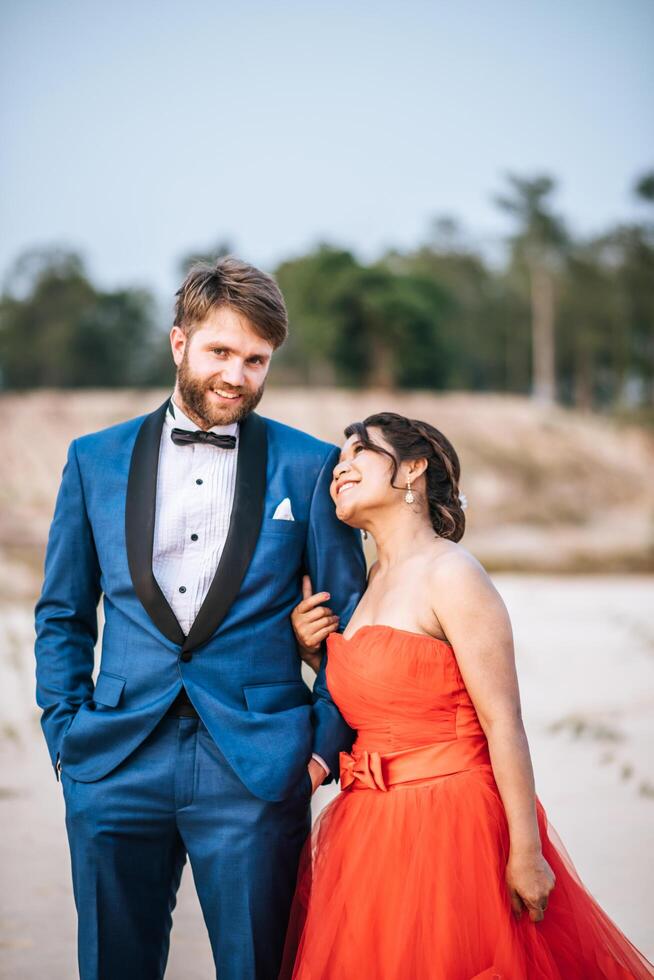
(186, 657)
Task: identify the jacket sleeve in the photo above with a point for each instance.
(66, 613)
(334, 559)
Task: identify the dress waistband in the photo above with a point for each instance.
(370, 770)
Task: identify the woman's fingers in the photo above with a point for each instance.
(538, 907)
(314, 615)
(309, 621)
(312, 620)
(324, 633)
(516, 903)
(313, 633)
(530, 883)
(311, 602)
(307, 587)
(315, 630)
(537, 913)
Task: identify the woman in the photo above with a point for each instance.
(435, 862)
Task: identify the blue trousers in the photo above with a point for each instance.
(129, 835)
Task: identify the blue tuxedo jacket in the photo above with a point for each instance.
(239, 662)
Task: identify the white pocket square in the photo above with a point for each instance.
(283, 511)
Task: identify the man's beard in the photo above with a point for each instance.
(197, 400)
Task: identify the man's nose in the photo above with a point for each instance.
(233, 373)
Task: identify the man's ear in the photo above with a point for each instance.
(178, 341)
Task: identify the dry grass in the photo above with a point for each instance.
(548, 489)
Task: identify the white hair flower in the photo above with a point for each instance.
(463, 500)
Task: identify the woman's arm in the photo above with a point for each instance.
(477, 625)
(312, 623)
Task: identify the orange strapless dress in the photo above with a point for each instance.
(403, 876)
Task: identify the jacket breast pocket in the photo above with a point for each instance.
(274, 525)
(280, 696)
(108, 689)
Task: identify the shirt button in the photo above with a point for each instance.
(182, 588)
(186, 657)
(194, 537)
(199, 482)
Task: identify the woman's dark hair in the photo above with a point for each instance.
(411, 439)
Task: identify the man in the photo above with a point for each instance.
(196, 523)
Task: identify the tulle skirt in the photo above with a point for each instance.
(409, 884)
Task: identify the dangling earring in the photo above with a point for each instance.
(408, 496)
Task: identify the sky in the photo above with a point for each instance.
(138, 132)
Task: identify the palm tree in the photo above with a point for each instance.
(536, 248)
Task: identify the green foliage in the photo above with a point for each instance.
(57, 330)
(573, 317)
(373, 326)
(540, 234)
(591, 355)
(645, 186)
(484, 345)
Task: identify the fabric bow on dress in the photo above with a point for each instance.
(366, 767)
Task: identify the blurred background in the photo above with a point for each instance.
(458, 203)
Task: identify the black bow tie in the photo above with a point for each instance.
(184, 437)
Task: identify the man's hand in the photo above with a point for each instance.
(312, 623)
(317, 774)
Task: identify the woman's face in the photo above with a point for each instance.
(362, 479)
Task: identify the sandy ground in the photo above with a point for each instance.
(586, 664)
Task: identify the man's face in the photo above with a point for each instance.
(221, 368)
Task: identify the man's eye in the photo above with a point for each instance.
(219, 350)
(358, 449)
(256, 360)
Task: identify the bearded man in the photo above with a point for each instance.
(195, 524)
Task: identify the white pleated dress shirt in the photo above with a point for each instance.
(195, 496)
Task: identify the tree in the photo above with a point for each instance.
(58, 330)
(639, 274)
(481, 312)
(627, 255)
(536, 248)
(644, 187)
(115, 340)
(590, 346)
(372, 326)
(38, 321)
(401, 328)
(316, 288)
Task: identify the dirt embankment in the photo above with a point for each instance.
(548, 489)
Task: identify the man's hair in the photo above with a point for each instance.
(238, 285)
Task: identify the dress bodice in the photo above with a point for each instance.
(399, 689)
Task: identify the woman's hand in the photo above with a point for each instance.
(530, 881)
(312, 623)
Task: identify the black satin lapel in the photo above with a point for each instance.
(243, 534)
(139, 524)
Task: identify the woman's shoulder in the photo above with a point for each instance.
(449, 563)
(461, 589)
